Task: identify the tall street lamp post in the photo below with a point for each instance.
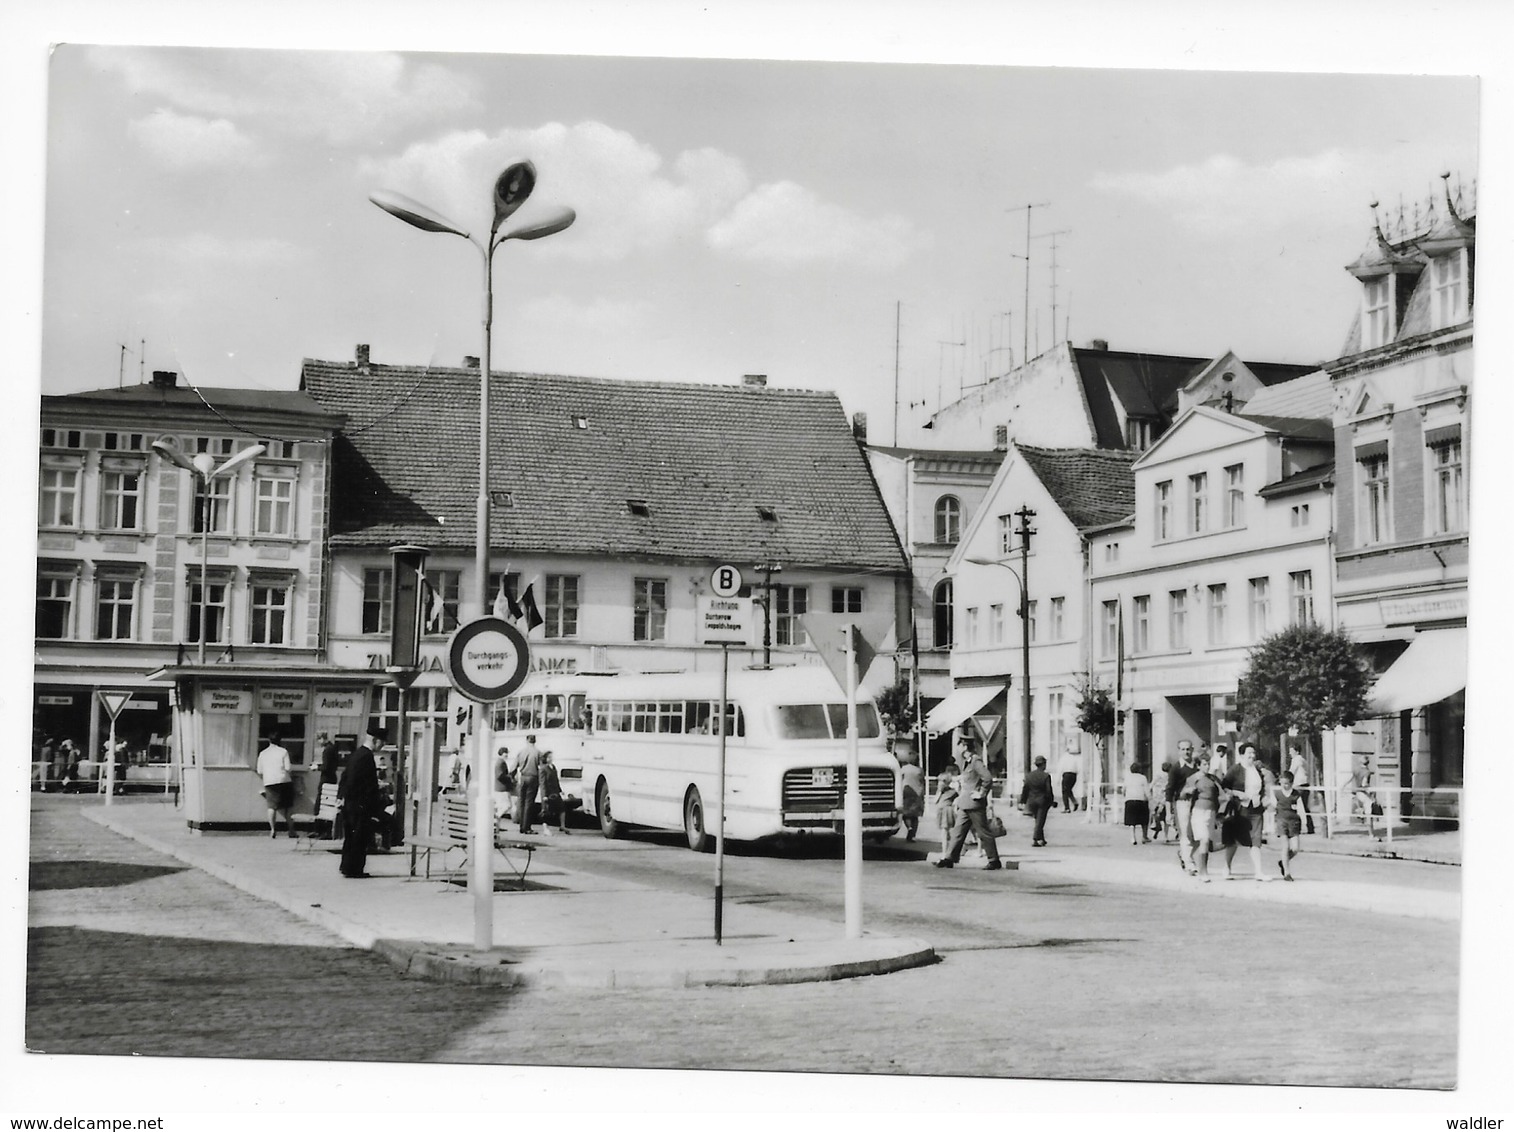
(1022, 576)
(511, 188)
(203, 465)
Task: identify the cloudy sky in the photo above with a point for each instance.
(734, 216)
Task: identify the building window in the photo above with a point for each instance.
(270, 613)
(220, 505)
(1450, 291)
(1164, 509)
(941, 615)
(562, 605)
(1006, 534)
(1235, 495)
(1058, 627)
(275, 510)
(1109, 626)
(972, 626)
(1030, 620)
(1377, 326)
(378, 586)
(1111, 552)
(846, 599)
(55, 606)
(1198, 503)
(120, 500)
(217, 606)
(996, 624)
(1140, 608)
(115, 605)
(1177, 619)
(1301, 596)
(1299, 517)
(948, 520)
(1259, 609)
(1375, 517)
(649, 620)
(1446, 512)
(1137, 434)
(1055, 706)
(442, 595)
(790, 603)
(1218, 596)
(58, 502)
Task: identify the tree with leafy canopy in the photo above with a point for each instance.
(1096, 710)
(896, 707)
(1305, 679)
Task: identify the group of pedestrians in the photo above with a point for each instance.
(964, 805)
(530, 786)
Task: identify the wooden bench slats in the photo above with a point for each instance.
(450, 831)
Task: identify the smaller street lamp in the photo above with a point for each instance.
(203, 466)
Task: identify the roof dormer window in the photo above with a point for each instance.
(1377, 319)
(1448, 273)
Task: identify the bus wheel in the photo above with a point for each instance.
(607, 823)
(700, 839)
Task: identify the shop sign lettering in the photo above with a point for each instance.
(228, 701)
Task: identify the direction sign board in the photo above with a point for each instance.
(487, 659)
(725, 620)
(726, 581)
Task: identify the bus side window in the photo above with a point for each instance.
(578, 717)
(555, 715)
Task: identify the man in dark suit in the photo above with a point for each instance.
(1038, 796)
(359, 794)
(974, 784)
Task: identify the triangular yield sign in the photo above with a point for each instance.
(827, 637)
(986, 725)
(113, 702)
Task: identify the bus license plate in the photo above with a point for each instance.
(823, 776)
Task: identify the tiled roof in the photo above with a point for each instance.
(1091, 486)
(1147, 385)
(1299, 428)
(703, 458)
(1299, 481)
(1307, 396)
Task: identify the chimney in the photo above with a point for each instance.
(362, 356)
(1098, 343)
(164, 378)
(859, 427)
(756, 380)
(470, 361)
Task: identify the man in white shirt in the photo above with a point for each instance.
(278, 784)
(1298, 766)
(1067, 768)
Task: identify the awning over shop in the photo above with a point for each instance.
(959, 704)
(1433, 667)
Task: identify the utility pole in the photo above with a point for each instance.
(1025, 530)
(768, 569)
(1025, 320)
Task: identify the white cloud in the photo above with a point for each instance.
(203, 248)
(182, 141)
(342, 97)
(786, 224)
(601, 318)
(628, 200)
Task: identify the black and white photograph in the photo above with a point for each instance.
(919, 563)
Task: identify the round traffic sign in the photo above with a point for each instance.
(726, 581)
(487, 659)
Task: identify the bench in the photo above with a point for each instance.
(449, 820)
(327, 809)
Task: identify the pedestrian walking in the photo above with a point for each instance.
(946, 803)
(527, 781)
(278, 784)
(1067, 769)
(504, 786)
(1244, 812)
(1160, 819)
(1298, 767)
(1287, 799)
(1204, 791)
(1180, 803)
(1137, 803)
(1038, 796)
(554, 815)
(972, 800)
(912, 791)
(361, 800)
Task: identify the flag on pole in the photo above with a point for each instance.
(434, 607)
(501, 601)
(532, 614)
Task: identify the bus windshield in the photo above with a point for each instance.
(824, 721)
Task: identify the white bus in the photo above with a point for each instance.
(549, 705)
(650, 756)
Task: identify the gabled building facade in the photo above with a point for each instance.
(613, 502)
(1071, 491)
(125, 539)
(1402, 415)
(1229, 541)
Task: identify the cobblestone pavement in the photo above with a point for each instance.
(1041, 978)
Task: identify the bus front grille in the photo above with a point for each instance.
(807, 790)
